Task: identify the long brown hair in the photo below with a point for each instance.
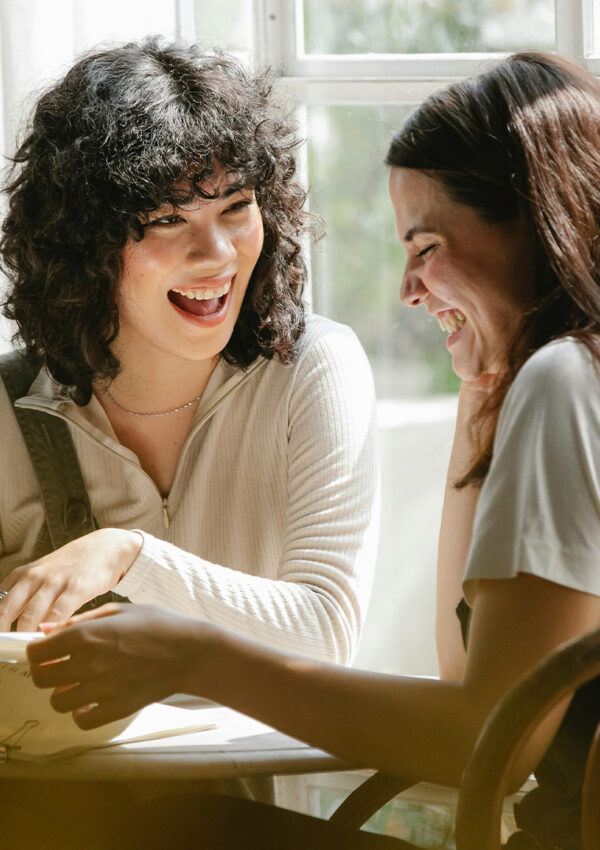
(522, 139)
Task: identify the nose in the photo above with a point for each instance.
(412, 289)
(211, 245)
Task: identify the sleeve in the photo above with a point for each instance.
(317, 603)
(539, 509)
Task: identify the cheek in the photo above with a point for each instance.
(252, 237)
(442, 279)
(149, 258)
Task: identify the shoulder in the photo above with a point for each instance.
(330, 350)
(553, 405)
(538, 508)
(329, 363)
(562, 375)
(322, 333)
(565, 362)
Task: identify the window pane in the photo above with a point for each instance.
(228, 25)
(357, 267)
(430, 26)
(594, 29)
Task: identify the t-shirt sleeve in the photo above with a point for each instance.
(539, 509)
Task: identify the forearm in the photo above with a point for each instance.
(315, 611)
(419, 728)
(454, 541)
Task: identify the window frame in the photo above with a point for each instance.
(278, 28)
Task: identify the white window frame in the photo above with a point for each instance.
(279, 27)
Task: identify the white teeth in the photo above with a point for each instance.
(205, 294)
(451, 321)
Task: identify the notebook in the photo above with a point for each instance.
(31, 729)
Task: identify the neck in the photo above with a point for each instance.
(159, 385)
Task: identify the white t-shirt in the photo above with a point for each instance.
(539, 509)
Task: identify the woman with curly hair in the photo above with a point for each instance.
(226, 440)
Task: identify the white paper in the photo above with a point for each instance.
(30, 727)
(13, 645)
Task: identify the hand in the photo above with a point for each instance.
(106, 664)
(55, 586)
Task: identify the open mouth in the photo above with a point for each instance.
(205, 302)
(451, 321)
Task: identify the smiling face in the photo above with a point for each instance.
(183, 284)
(474, 276)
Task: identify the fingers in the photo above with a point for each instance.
(74, 697)
(63, 638)
(17, 596)
(106, 610)
(44, 607)
(57, 584)
(93, 704)
(59, 644)
(56, 674)
(90, 717)
(31, 599)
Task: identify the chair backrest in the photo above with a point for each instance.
(591, 797)
(508, 727)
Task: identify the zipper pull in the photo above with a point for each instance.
(165, 507)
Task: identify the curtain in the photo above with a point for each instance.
(39, 40)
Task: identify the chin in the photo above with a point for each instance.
(467, 372)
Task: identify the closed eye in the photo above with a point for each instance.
(426, 250)
(165, 221)
(239, 205)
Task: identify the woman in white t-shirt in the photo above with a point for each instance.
(495, 185)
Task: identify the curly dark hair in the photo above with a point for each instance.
(522, 139)
(109, 143)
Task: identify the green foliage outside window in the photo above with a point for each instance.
(357, 268)
(427, 26)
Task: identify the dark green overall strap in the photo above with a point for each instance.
(66, 502)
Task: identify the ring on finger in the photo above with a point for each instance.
(3, 594)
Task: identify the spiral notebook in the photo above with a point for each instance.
(32, 730)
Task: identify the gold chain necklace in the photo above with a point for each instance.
(163, 413)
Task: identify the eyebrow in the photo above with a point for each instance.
(232, 190)
(414, 231)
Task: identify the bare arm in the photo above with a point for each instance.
(421, 729)
(454, 541)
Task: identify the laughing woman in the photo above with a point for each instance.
(494, 183)
(226, 442)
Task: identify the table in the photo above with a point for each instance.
(239, 746)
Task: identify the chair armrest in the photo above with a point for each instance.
(505, 732)
(365, 800)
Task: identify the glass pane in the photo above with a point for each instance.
(228, 25)
(429, 26)
(593, 34)
(357, 267)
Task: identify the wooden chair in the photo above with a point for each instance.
(485, 779)
(505, 732)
